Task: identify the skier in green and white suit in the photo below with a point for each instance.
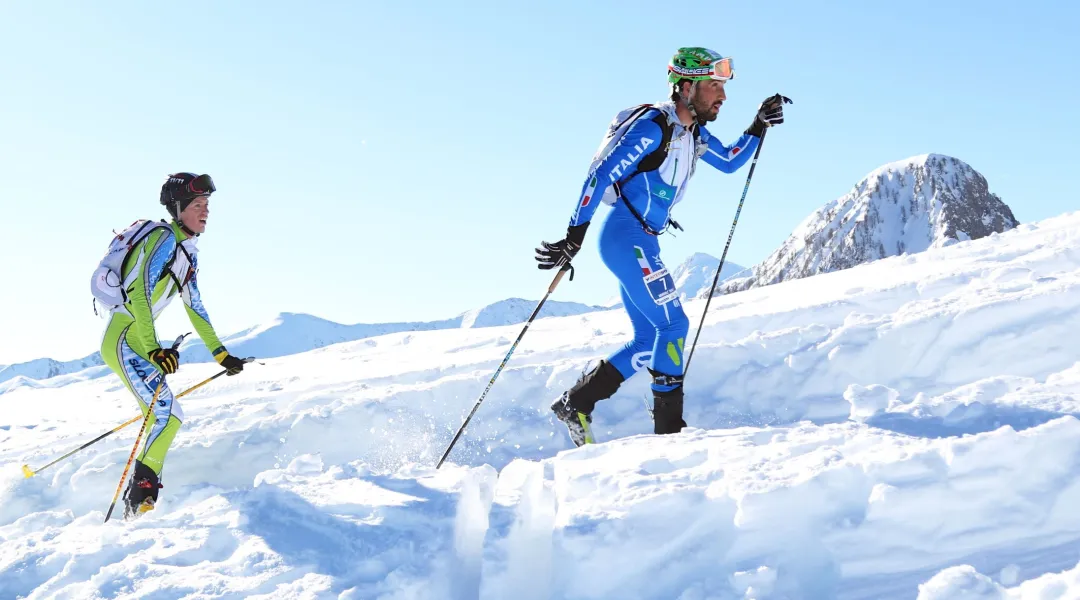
(160, 266)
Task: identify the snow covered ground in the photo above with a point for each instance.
(903, 429)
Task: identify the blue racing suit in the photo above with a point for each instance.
(630, 251)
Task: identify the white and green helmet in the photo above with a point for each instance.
(697, 64)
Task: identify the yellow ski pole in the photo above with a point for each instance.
(135, 448)
(28, 472)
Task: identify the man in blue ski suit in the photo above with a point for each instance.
(642, 168)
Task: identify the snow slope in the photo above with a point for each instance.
(901, 429)
(291, 333)
(904, 207)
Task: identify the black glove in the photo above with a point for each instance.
(166, 359)
(771, 112)
(230, 362)
(563, 251)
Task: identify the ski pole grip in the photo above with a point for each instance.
(179, 339)
(559, 276)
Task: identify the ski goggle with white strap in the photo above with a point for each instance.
(723, 69)
(720, 70)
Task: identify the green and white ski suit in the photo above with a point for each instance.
(158, 268)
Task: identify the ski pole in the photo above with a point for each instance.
(551, 288)
(731, 234)
(135, 447)
(28, 472)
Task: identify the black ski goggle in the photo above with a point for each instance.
(202, 185)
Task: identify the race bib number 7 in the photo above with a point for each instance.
(661, 287)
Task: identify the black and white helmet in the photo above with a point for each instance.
(181, 188)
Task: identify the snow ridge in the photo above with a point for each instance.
(46, 368)
(292, 333)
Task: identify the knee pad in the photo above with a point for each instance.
(599, 384)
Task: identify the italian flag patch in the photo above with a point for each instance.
(589, 192)
(644, 264)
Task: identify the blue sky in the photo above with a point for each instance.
(400, 161)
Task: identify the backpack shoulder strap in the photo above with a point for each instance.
(191, 266)
(657, 157)
(654, 159)
(141, 234)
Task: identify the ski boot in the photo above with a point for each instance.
(574, 407)
(142, 491)
(667, 403)
(578, 423)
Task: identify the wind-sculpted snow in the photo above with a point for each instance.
(965, 583)
(897, 429)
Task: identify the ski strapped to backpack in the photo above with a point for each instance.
(107, 284)
(650, 162)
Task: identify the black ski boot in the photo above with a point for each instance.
(667, 411)
(574, 407)
(142, 491)
(577, 423)
(667, 406)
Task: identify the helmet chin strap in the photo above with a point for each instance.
(179, 222)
